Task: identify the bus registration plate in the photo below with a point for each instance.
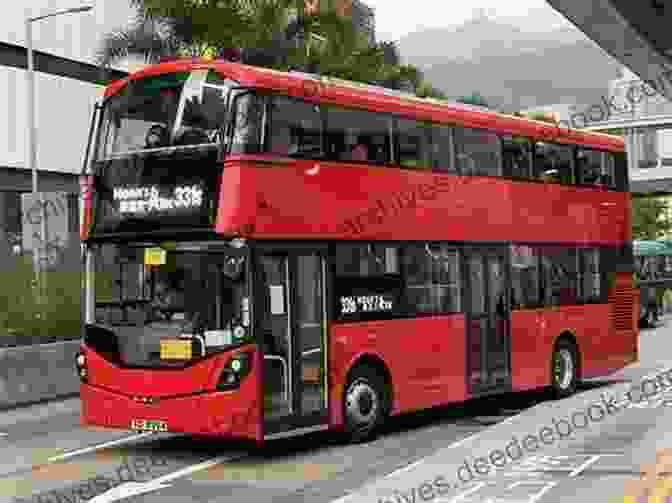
(149, 425)
(176, 349)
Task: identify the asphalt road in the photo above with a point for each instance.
(46, 456)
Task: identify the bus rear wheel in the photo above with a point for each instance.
(364, 405)
(564, 369)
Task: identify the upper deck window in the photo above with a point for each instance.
(478, 152)
(595, 168)
(358, 136)
(295, 128)
(165, 110)
(553, 162)
(517, 156)
(248, 115)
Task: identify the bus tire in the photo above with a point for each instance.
(364, 405)
(564, 367)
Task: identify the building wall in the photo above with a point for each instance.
(635, 100)
(63, 108)
(73, 36)
(65, 91)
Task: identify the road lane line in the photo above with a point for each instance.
(92, 448)
(463, 495)
(195, 468)
(405, 468)
(585, 465)
(460, 442)
(130, 489)
(345, 498)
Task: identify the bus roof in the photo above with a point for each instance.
(380, 99)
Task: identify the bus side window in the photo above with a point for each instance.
(357, 136)
(560, 266)
(441, 149)
(413, 144)
(478, 152)
(295, 128)
(588, 166)
(553, 163)
(525, 278)
(516, 156)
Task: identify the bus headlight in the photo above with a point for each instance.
(235, 371)
(80, 364)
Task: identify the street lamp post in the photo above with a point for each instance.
(31, 156)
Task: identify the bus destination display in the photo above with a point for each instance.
(149, 199)
(353, 304)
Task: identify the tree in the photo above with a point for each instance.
(540, 116)
(426, 90)
(474, 98)
(278, 34)
(650, 220)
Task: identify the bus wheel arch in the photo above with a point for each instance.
(368, 381)
(565, 365)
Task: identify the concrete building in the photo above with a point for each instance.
(66, 87)
(364, 19)
(635, 99)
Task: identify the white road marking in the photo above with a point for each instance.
(547, 487)
(585, 465)
(460, 442)
(462, 496)
(345, 498)
(3, 434)
(92, 448)
(129, 489)
(405, 468)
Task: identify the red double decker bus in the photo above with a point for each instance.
(270, 253)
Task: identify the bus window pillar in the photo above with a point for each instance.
(89, 298)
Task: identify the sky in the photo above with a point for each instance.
(395, 18)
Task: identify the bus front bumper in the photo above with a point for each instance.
(224, 414)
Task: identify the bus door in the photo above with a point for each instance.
(291, 330)
(487, 313)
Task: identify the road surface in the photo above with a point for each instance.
(48, 457)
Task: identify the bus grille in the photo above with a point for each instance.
(622, 305)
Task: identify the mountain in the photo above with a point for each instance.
(513, 65)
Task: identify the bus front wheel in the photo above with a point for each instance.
(364, 404)
(564, 369)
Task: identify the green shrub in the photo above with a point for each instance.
(21, 312)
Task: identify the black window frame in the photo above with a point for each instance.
(451, 142)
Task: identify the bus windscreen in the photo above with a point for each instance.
(149, 297)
